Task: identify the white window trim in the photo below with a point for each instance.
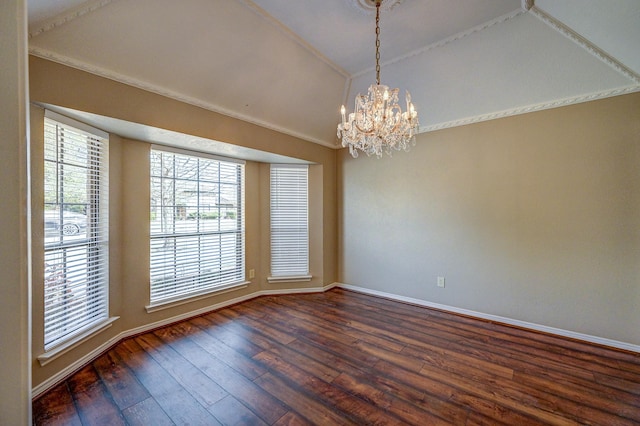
(170, 303)
(84, 334)
(289, 279)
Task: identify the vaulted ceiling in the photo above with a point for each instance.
(289, 65)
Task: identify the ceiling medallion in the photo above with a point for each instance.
(369, 6)
(378, 124)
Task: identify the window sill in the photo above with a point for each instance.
(289, 279)
(65, 347)
(170, 303)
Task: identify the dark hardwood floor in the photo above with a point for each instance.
(346, 358)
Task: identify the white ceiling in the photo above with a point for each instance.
(289, 65)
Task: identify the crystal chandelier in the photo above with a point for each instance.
(378, 124)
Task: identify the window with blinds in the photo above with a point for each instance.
(197, 225)
(289, 222)
(76, 230)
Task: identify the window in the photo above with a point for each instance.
(197, 225)
(76, 229)
(289, 223)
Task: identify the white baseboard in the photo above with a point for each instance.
(532, 326)
(89, 357)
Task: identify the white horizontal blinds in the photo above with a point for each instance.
(197, 225)
(289, 220)
(76, 231)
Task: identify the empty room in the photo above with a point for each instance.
(320, 212)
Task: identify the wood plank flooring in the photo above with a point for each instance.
(345, 358)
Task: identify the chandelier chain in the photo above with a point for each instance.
(378, 2)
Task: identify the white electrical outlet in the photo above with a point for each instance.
(441, 282)
(252, 273)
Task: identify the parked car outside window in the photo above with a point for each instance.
(71, 223)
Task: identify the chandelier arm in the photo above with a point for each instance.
(365, 132)
(396, 126)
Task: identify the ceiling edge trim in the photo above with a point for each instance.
(67, 16)
(585, 44)
(444, 42)
(149, 87)
(293, 36)
(532, 108)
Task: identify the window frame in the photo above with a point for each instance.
(293, 213)
(165, 299)
(84, 269)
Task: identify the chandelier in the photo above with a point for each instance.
(378, 124)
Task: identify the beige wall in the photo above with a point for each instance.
(534, 218)
(15, 312)
(55, 84)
